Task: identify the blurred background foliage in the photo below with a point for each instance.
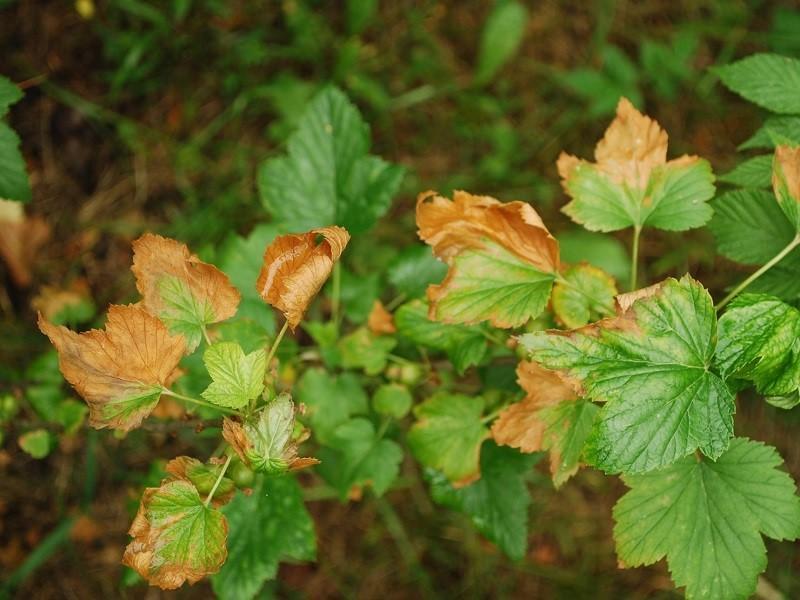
(141, 115)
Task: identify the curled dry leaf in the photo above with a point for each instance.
(380, 320)
(21, 238)
(267, 444)
(502, 259)
(176, 537)
(296, 266)
(120, 371)
(180, 289)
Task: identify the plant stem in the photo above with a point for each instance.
(197, 401)
(775, 260)
(637, 230)
(205, 336)
(274, 348)
(492, 415)
(218, 481)
(336, 293)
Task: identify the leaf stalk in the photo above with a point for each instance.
(218, 481)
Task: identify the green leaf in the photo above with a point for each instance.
(414, 269)
(602, 251)
(327, 177)
(357, 294)
(362, 349)
(14, 183)
(448, 435)
(271, 435)
(268, 526)
(749, 226)
(706, 517)
(357, 456)
(71, 414)
(675, 197)
(498, 502)
(759, 340)
(330, 400)
(567, 428)
(492, 283)
(241, 260)
(769, 80)
(464, 345)
(181, 538)
(652, 367)
(392, 400)
(583, 294)
(9, 94)
(787, 127)
(754, 172)
(501, 38)
(236, 377)
(36, 443)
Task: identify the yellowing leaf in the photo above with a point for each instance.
(380, 320)
(180, 289)
(120, 371)
(632, 184)
(176, 537)
(502, 259)
(786, 182)
(296, 266)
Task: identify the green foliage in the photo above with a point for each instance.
(327, 176)
(237, 377)
(14, 183)
(36, 443)
(498, 502)
(393, 400)
(330, 400)
(602, 251)
(500, 39)
(268, 526)
(769, 80)
(585, 294)
(754, 172)
(414, 269)
(567, 429)
(707, 518)
(362, 349)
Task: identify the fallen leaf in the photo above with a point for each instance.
(380, 320)
(296, 266)
(120, 371)
(180, 289)
(176, 538)
(21, 239)
(502, 259)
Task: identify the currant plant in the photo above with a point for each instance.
(642, 384)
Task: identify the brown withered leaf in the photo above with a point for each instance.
(380, 320)
(180, 289)
(21, 237)
(176, 538)
(520, 425)
(502, 259)
(51, 300)
(119, 371)
(296, 266)
(788, 172)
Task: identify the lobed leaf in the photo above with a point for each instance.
(769, 80)
(583, 294)
(330, 400)
(753, 173)
(237, 378)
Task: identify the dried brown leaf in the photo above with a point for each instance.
(380, 320)
(788, 159)
(296, 266)
(21, 238)
(119, 371)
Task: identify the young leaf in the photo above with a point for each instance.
(651, 365)
(237, 377)
(121, 371)
(502, 259)
(327, 176)
(786, 182)
(36, 443)
(550, 417)
(500, 39)
(268, 526)
(706, 517)
(464, 345)
(180, 289)
(176, 537)
(749, 226)
(752, 173)
(769, 80)
(632, 184)
(498, 502)
(358, 456)
(296, 266)
(759, 341)
(380, 320)
(265, 443)
(330, 400)
(583, 294)
(448, 435)
(362, 349)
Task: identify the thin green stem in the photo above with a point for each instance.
(274, 348)
(218, 481)
(395, 302)
(336, 293)
(198, 402)
(637, 231)
(775, 260)
(493, 415)
(205, 336)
